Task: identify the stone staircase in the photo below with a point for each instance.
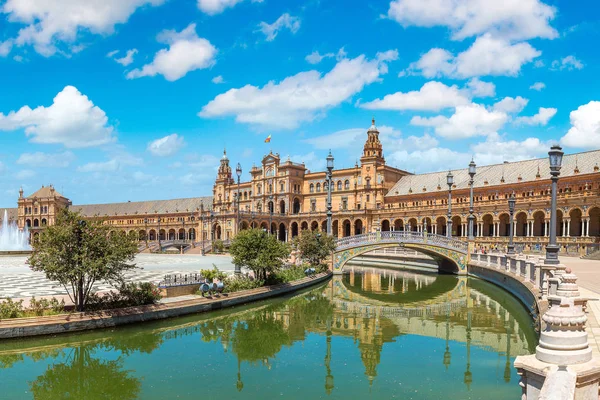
(592, 256)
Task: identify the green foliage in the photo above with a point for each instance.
(212, 274)
(286, 275)
(129, 295)
(314, 247)
(218, 246)
(11, 309)
(46, 307)
(79, 253)
(241, 282)
(258, 251)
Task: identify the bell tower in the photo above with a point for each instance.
(373, 150)
(224, 172)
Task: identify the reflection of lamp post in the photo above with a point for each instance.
(238, 172)
(450, 182)
(511, 229)
(329, 183)
(468, 378)
(447, 354)
(555, 154)
(507, 365)
(472, 170)
(328, 378)
(239, 384)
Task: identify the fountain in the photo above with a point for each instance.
(12, 238)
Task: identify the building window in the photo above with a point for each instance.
(368, 197)
(313, 205)
(281, 187)
(347, 185)
(344, 203)
(318, 187)
(339, 185)
(312, 188)
(258, 188)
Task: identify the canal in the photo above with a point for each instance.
(372, 333)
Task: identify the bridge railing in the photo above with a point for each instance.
(401, 237)
(526, 268)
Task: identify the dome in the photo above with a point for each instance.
(373, 128)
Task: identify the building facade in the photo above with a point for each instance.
(284, 198)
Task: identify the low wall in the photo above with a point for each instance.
(181, 290)
(64, 323)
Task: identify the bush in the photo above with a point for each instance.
(129, 295)
(45, 306)
(11, 309)
(214, 273)
(285, 275)
(218, 246)
(241, 282)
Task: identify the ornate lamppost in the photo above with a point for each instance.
(450, 182)
(191, 237)
(202, 228)
(511, 229)
(555, 154)
(159, 243)
(212, 230)
(146, 231)
(472, 170)
(329, 183)
(238, 171)
(271, 207)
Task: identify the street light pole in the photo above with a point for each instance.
(555, 154)
(238, 171)
(511, 230)
(146, 230)
(159, 243)
(329, 183)
(202, 228)
(271, 207)
(450, 182)
(472, 170)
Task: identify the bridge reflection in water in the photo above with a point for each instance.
(370, 332)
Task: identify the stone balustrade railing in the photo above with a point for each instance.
(401, 237)
(525, 267)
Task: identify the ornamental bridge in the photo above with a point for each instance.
(452, 255)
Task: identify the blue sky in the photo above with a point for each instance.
(118, 100)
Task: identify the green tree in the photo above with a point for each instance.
(314, 247)
(79, 253)
(258, 251)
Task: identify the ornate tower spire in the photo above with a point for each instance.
(373, 150)
(224, 172)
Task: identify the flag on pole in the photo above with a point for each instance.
(268, 139)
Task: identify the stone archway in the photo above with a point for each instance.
(398, 225)
(539, 222)
(347, 227)
(282, 236)
(521, 224)
(575, 225)
(594, 221)
(294, 229)
(334, 228)
(358, 227)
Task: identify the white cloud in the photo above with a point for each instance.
(569, 63)
(315, 57)
(111, 54)
(187, 52)
(310, 160)
(510, 19)
(346, 138)
(218, 80)
(511, 105)
(6, 47)
(49, 23)
(285, 21)
(128, 59)
(213, 7)
(467, 121)
(107, 166)
(538, 86)
(72, 120)
(438, 159)
(298, 98)
(585, 127)
(480, 88)
(495, 151)
(541, 118)
(486, 56)
(166, 146)
(433, 96)
(25, 174)
(46, 160)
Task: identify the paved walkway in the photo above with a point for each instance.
(588, 279)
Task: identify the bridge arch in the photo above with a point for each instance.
(450, 254)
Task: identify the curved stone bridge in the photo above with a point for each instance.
(451, 254)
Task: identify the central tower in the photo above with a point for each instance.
(373, 150)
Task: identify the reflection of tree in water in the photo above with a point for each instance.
(83, 377)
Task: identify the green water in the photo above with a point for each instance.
(369, 334)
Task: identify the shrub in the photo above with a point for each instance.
(285, 275)
(218, 246)
(129, 295)
(241, 282)
(11, 309)
(45, 306)
(211, 274)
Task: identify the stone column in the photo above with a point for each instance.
(568, 228)
(587, 227)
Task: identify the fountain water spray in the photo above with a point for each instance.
(11, 237)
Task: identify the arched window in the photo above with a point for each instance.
(245, 195)
(312, 188)
(339, 185)
(346, 184)
(270, 188)
(258, 188)
(318, 187)
(325, 186)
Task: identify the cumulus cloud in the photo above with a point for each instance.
(166, 146)
(6, 47)
(315, 57)
(187, 52)
(511, 105)
(25, 174)
(538, 86)
(488, 55)
(585, 127)
(213, 7)
(46, 160)
(541, 118)
(107, 166)
(433, 96)
(286, 21)
(128, 58)
(51, 23)
(480, 88)
(72, 120)
(467, 121)
(218, 80)
(298, 98)
(495, 150)
(509, 19)
(569, 63)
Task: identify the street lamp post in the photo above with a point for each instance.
(159, 243)
(555, 154)
(192, 239)
(329, 183)
(450, 182)
(271, 207)
(202, 228)
(212, 230)
(146, 230)
(472, 170)
(238, 172)
(511, 229)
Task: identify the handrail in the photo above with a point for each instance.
(401, 237)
